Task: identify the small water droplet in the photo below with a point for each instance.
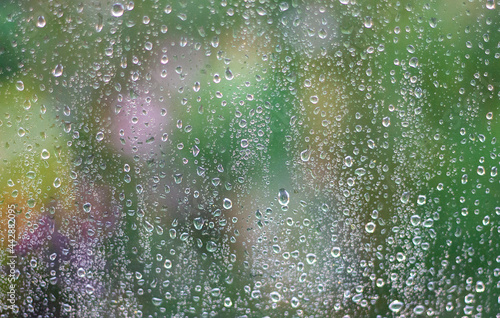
(275, 296)
(21, 132)
(56, 183)
(196, 86)
(480, 170)
(87, 207)
(211, 246)
(405, 197)
(167, 264)
(157, 301)
(20, 86)
(348, 161)
(370, 227)
(421, 199)
(198, 223)
(413, 62)
(58, 70)
(117, 10)
(395, 306)
(229, 74)
(40, 22)
(335, 251)
(45, 154)
(99, 136)
(415, 220)
(311, 258)
(305, 155)
(227, 203)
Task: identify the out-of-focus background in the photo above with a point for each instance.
(249, 158)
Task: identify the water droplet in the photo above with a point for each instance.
(227, 203)
(229, 74)
(480, 170)
(370, 227)
(167, 264)
(405, 197)
(348, 161)
(415, 220)
(31, 203)
(198, 223)
(89, 289)
(335, 251)
(314, 99)
(295, 302)
(45, 154)
(386, 121)
(479, 287)
(413, 62)
(87, 207)
(283, 197)
(80, 272)
(395, 306)
(360, 172)
(21, 132)
(418, 310)
(311, 258)
(117, 10)
(196, 87)
(157, 301)
(99, 136)
(322, 33)
(421, 199)
(305, 155)
(58, 70)
(40, 22)
(211, 246)
(275, 296)
(244, 143)
(368, 22)
(490, 4)
(20, 86)
(56, 183)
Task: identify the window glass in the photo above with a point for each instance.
(264, 158)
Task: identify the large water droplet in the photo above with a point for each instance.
(117, 10)
(283, 197)
(370, 227)
(395, 306)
